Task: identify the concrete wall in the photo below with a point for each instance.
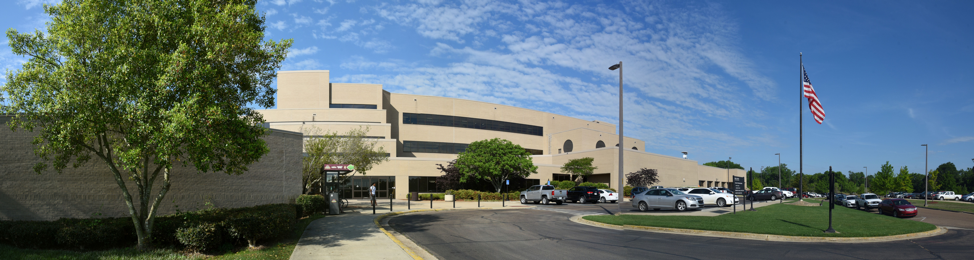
(91, 189)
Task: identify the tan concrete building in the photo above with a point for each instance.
(421, 131)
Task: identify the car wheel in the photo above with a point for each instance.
(956, 199)
(524, 200)
(544, 200)
(721, 203)
(581, 200)
(602, 200)
(896, 214)
(681, 206)
(858, 207)
(643, 206)
(773, 197)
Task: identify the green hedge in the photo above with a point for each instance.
(201, 237)
(308, 205)
(567, 185)
(241, 226)
(472, 195)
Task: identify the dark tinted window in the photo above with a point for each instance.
(547, 187)
(475, 123)
(352, 106)
(600, 144)
(568, 146)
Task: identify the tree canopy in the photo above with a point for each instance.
(884, 182)
(579, 167)
(494, 160)
(330, 148)
(642, 178)
(724, 165)
(143, 86)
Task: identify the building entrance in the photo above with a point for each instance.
(358, 187)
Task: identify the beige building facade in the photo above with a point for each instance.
(420, 132)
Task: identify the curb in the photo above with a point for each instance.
(763, 237)
(947, 210)
(413, 254)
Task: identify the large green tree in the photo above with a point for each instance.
(579, 168)
(494, 160)
(884, 182)
(352, 147)
(144, 86)
(903, 182)
(948, 176)
(769, 176)
(724, 165)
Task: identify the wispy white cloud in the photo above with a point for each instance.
(958, 140)
(301, 20)
(345, 25)
(280, 25)
(28, 4)
(909, 111)
(299, 52)
(270, 12)
(308, 64)
(278, 2)
(682, 65)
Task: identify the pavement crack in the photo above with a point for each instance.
(928, 250)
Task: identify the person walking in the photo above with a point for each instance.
(372, 194)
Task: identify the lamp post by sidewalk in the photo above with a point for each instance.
(865, 175)
(621, 188)
(779, 178)
(926, 174)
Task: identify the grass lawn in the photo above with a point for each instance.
(280, 249)
(782, 219)
(961, 206)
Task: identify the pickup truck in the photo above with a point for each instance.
(947, 195)
(543, 194)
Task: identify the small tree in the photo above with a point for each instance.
(450, 180)
(884, 181)
(756, 184)
(329, 148)
(642, 178)
(903, 182)
(579, 168)
(495, 160)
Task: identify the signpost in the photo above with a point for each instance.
(738, 189)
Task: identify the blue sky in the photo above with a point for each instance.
(716, 79)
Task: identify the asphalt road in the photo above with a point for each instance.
(546, 233)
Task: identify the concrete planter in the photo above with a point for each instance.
(448, 197)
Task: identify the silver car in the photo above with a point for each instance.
(658, 199)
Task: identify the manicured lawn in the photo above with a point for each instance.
(782, 219)
(276, 250)
(961, 206)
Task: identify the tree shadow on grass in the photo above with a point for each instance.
(799, 224)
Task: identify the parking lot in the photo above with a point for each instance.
(626, 208)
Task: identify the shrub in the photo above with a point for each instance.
(33, 234)
(261, 222)
(201, 237)
(628, 190)
(308, 205)
(91, 234)
(472, 195)
(436, 196)
(164, 230)
(563, 185)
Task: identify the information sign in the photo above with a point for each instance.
(739, 185)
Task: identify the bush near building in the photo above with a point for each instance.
(202, 230)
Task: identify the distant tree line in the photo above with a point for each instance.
(945, 177)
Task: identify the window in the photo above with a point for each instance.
(600, 144)
(634, 148)
(568, 146)
(547, 187)
(466, 122)
(423, 184)
(440, 147)
(359, 106)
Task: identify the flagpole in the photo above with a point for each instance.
(801, 172)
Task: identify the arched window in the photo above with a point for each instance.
(568, 146)
(600, 144)
(634, 148)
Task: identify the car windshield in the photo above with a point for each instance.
(902, 202)
(869, 197)
(676, 192)
(854, 197)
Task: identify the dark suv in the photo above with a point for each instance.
(583, 194)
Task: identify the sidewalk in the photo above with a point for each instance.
(354, 235)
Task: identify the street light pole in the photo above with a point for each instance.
(865, 175)
(926, 174)
(621, 144)
(779, 178)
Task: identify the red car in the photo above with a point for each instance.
(897, 208)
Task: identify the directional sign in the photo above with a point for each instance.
(738, 185)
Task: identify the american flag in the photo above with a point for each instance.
(813, 104)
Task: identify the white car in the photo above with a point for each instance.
(711, 197)
(968, 197)
(608, 195)
(849, 201)
(868, 201)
